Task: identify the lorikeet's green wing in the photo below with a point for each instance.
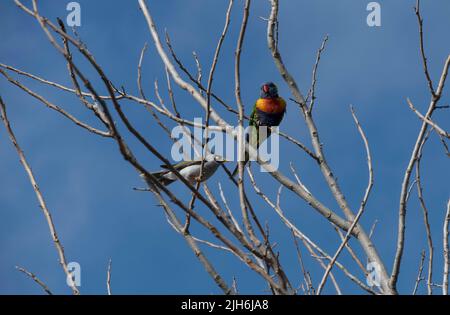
(285, 107)
(179, 166)
(253, 116)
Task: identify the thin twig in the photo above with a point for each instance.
(35, 279)
(93, 107)
(50, 83)
(438, 129)
(351, 252)
(425, 216)
(361, 208)
(319, 259)
(372, 229)
(55, 107)
(422, 49)
(139, 72)
(312, 91)
(446, 251)
(40, 197)
(419, 274)
(149, 108)
(306, 274)
(108, 277)
(234, 286)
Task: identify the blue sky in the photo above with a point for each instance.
(88, 185)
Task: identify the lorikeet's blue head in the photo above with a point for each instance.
(269, 90)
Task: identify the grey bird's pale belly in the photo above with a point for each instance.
(191, 173)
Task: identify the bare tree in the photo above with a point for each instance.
(239, 232)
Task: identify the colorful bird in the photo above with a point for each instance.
(190, 170)
(268, 111)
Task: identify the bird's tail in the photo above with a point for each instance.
(161, 177)
(253, 139)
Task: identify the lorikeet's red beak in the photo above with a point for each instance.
(265, 88)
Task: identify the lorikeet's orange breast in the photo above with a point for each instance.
(271, 105)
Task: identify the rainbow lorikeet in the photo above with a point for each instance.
(268, 111)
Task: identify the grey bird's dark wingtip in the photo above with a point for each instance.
(159, 176)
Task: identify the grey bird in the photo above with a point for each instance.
(190, 170)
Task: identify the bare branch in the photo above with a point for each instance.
(230, 214)
(422, 49)
(199, 68)
(425, 216)
(235, 288)
(301, 235)
(40, 197)
(306, 274)
(446, 251)
(93, 107)
(404, 191)
(323, 265)
(173, 72)
(419, 274)
(55, 107)
(208, 243)
(129, 156)
(438, 129)
(49, 83)
(249, 241)
(219, 121)
(150, 109)
(139, 72)
(208, 100)
(193, 245)
(363, 239)
(237, 79)
(372, 229)
(108, 277)
(312, 90)
(361, 208)
(35, 279)
(351, 252)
